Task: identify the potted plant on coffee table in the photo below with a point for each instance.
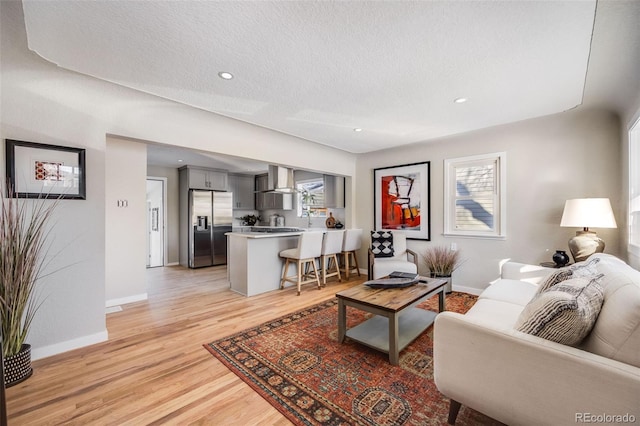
(441, 263)
(23, 248)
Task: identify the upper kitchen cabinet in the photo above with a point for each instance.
(202, 178)
(242, 187)
(333, 191)
(262, 182)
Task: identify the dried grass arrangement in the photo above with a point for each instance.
(23, 250)
(441, 261)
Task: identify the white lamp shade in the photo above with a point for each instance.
(588, 213)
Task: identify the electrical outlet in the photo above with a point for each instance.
(454, 247)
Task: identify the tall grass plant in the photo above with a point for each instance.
(23, 250)
(441, 261)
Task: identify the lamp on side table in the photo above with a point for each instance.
(586, 213)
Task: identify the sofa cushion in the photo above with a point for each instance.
(382, 243)
(511, 291)
(564, 313)
(495, 314)
(523, 272)
(580, 269)
(616, 333)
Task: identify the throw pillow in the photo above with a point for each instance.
(580, 269)
(382, 243)
(556, 277)
(585, 269)
(564, 313)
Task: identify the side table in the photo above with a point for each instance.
(553, 265)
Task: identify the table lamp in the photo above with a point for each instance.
(586, 213)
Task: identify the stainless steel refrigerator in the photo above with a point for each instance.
(210, 214)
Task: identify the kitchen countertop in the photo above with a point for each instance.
(263, 234)
(274, 234)
(268, 232)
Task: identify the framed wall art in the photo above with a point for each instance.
(36, 170)
(402, 199)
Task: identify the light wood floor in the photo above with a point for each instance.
(154, 369)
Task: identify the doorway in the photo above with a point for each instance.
(156, 223)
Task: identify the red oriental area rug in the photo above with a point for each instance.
(296, 363)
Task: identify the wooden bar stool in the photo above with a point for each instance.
(331, 247)
(308, 251)
(351, 244)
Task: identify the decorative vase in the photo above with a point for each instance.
(17, 368)
(560, 258)
(331, 221)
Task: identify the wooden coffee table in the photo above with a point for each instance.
(397, 322)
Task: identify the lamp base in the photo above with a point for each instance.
(584, 244)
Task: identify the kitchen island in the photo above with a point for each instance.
(253, 262)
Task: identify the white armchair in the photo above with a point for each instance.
(403, 259)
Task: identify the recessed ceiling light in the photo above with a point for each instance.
(179, 161)
(460, 100)
(357, 129)
(225, 75)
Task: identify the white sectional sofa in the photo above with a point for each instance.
(482, 361)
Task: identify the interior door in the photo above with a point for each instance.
(155, 223)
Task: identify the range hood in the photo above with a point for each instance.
(281, 179)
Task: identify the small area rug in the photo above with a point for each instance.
(296, 363)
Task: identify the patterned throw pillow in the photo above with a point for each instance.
(580, 269)
(555, 278)
(382, 243)
(565, 313)
(585, 269)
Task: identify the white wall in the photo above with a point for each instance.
(630, 118)
(125, 227)
(43, 103)
(551, 159)
(72, 314)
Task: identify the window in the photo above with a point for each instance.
(634, 188)
(475, 196)
(311, 198)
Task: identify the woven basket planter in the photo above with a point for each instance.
(17, 368)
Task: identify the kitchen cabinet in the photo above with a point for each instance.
(333, 191)
(262, 182)
(242, 187)
(271, 200)
(202, 178)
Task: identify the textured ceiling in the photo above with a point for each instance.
(318, 70)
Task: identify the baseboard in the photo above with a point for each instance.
(172, 264)
(124, 300)
(471, 290)
(69, 345)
